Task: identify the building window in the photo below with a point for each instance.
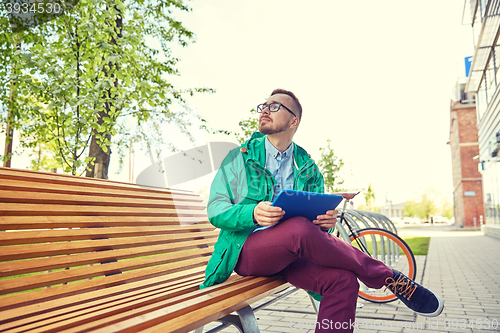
(481, 102)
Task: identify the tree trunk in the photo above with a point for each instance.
(101, 157)
(9, 131)
(9, 137)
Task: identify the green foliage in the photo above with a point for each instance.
(424, 208)
(11, 107)
(427, 207)
(91, 73)
(369, 196)
(447, 209)
(410, 209)
(248, 127)
(329, 166)
(44, 158)
(42, 150)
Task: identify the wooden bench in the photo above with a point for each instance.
(90, 255)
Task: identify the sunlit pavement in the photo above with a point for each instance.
(462, 266)
(435, 230)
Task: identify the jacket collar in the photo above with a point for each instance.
(255, 149)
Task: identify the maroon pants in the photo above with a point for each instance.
(314, 260)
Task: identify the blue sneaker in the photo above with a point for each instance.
(419, 299)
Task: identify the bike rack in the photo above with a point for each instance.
(353, 222)
(343, 233)
(367, 218)
(392, 229)
(384, 220)
(378, 221)
(351, 218)
(389, 226)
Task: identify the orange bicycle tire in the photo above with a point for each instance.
(408, 255)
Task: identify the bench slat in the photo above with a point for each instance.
(22, 185)
(54, 249)
(25, 197)
(44, 236)
(40, 209)
(34, 176)
(53, 222)
(13, 268)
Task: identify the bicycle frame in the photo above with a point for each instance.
(392, 256)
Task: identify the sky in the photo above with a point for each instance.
(374, 77)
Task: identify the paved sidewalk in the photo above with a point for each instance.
(462, 266)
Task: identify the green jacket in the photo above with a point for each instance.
(239, 185)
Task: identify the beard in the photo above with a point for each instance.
(268, 128)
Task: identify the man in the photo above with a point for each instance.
(251, 242)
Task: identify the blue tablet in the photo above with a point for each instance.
(306, 204)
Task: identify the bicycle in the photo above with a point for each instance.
(383, 245)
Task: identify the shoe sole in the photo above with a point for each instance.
(438, 310)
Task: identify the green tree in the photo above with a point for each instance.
(41, 151)
(447, 209)
(11, 106)
(426, 207)
(248, 126)
(369, 195)
(99, 82)
(410, 208)
(43, 158)
(369, 199)
(330, 165)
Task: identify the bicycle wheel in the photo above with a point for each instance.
(389, 248)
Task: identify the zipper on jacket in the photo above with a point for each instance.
(257, 166)
(296, 177)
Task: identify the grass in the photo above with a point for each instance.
(418, 245)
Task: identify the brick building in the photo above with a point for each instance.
(483, 82)
(467, 182)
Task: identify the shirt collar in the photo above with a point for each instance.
(271, 150)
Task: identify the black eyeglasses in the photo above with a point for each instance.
(273, 107)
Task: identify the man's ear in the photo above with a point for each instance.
(295, 122)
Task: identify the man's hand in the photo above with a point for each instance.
(265, 214)
(328, 220)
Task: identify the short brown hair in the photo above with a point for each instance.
(298, 107)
